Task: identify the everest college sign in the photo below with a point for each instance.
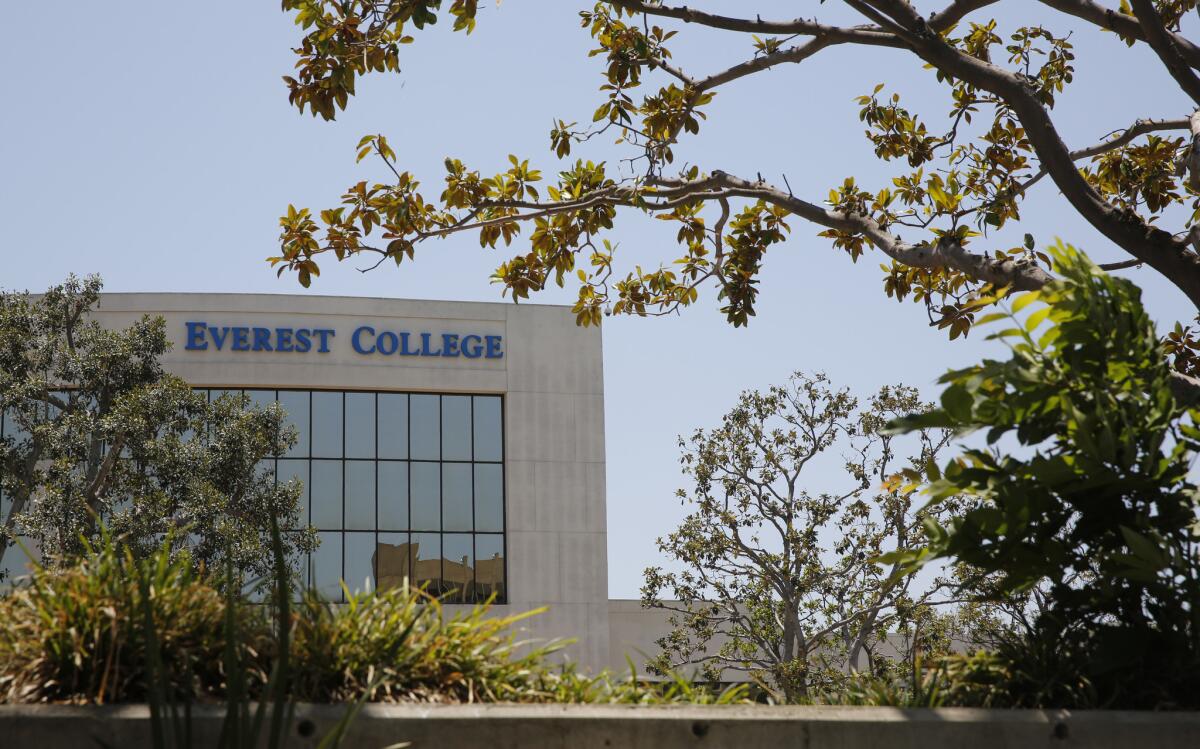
(364, 340)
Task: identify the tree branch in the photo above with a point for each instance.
(1157, 248)
(1163, 44)
(1123, 25)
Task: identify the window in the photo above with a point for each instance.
(398, 485)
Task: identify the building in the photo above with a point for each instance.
(459, 444)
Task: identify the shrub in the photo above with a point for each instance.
(75, 634)
(1096, 510)
(79, 635)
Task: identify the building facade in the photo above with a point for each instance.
(460, 445)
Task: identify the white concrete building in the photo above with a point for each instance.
(461, 444)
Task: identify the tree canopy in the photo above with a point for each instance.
(771, 577)
(97, 435)
(961, 173)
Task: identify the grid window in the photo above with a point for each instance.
(398, 486)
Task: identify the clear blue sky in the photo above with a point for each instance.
(152, 142)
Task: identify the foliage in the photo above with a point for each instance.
(88, 633)
(782, 583)
(97, 432)
(1095, 508)
(76, 634)
(400, 645)
(961, 175)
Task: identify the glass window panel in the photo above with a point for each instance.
(426, 562)
(295, 403)
(489, 497)
(14, 430)
(424, 432)
(326, 561)
(261, 398)
(298, 470)
(393, 494)
(216, 394)
(265, 466)
(305, 567)
(326, 493)
(456, 427)
(489, 565)
(393, 425)
(326, 425)
(393, 560)
(16, 563)
(426, 496)
(360, 570)
(360, 425)
(360, 495)
(489, 437)
(458, 566)
(456, 497)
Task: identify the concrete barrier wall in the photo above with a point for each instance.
(585, 727)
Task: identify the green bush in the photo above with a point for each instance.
(78, 635)
(1096, 510)
(75, 634)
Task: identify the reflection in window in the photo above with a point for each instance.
(360, 572)
(393, 560)
(458, 566)
(400, 486)
(489, 570)
(426, 560)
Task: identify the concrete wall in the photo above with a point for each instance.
(551, 375)
(593, 727)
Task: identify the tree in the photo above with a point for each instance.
(97, 434)
(960, 177)
(777, 580)
(1097, 510)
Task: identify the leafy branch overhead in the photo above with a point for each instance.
(961, 174)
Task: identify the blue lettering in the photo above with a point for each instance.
(241, 339)
(195, 336)
(450, 344)
(303, 342)
(404, 349)
(386, 343)
(472, 346)
(358, 345)
(425, 351)
(493, 347)
(219, 340)
(325, 334)
(262, 339)
(283, 339)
